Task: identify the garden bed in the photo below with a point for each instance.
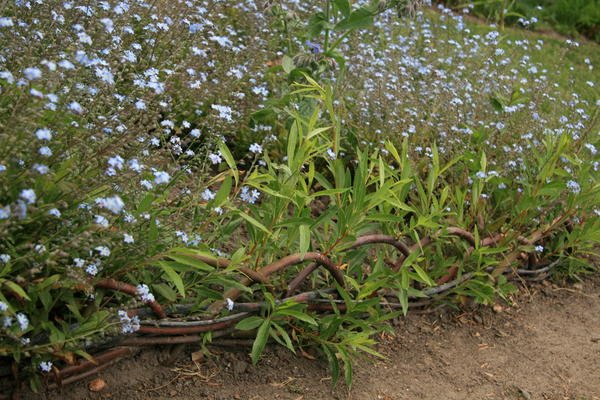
(173, 172)
(545, 345)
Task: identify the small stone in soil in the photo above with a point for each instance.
(97, 385)
(239, 367)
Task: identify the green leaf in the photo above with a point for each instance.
(317, 131)
(343, 6)
(385, 217)
(286, 337)
(165, 291)
(17, 289)
(173, 277)
(247, 324)
(316, 24)
(400, 204)
(334, 365)
(46, 299)
(403, 298)
(255, 222)
(328, 192)
(304, 238)
(369, 350)
(496, 104)
(298, 315)
(288, 64)
(293, 139)
(423, 275)
(153, 231)
(223, 192)
(261, 340)
(229, 160)
(192, 262)
(146, 203)
(347, 370)
(360, 18)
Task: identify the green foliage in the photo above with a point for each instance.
(569, 17)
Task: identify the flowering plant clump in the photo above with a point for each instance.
(112, 116)
(178, 158)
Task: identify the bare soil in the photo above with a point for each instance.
(545, 345)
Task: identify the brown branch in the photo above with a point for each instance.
(278, 265)
(256, 276)
(159, 330)
(463, 234)
(151, 341)
(113, 284)
(212, 261)
(293, 285)
(385, 239)
(99, 359)
(85, 374)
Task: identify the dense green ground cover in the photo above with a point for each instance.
(569, 17)
(146, 147)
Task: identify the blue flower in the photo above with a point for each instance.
(32, 73)
(46, 366)
(314, 47)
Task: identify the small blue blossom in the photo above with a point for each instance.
(146, 184)
(144, 292)
(45, 151)
(23, 321)
(101, 220)
(92, 269)
(208, 195)
(127, 238)
(46, 366)
(28, 195)
(255, 148)
(230, 304)
(5, 212)
(195, 133)
(44, 134)
(225, 112)
(315, 48)
(182, 235)
(128, 325)
(32, 73)
(79, 262)
(573, 187)
(331, 154)
(41, 169)
(161, 177)
(7, 76)
(113, 204)
(75, 107)
(5, 22)
(249, 196)
(215, 158)
(103, 251)
(105, 75)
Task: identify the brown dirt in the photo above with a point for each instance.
(546, 345)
